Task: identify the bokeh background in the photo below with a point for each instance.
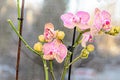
(102, 64)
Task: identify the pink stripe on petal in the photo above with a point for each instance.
(49, 32)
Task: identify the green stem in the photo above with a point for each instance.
(18, 11)
(74, 60)
(26, 44)
(78, 41)
(31, 49)
(51, 69)
(45, 69)
(65, 64)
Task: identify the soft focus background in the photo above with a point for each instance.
(102, 64)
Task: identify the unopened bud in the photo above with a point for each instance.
(84, 54)
(117, 29)
(60, 35)
(114, 31)
(41, 38)
(38, 46)
(90, 47)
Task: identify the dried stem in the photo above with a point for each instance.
(20, 25)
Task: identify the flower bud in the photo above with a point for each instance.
(117, 29)
(41, 38)
(84, 54)
(114, 31)
(60, 35)
(90, 47)
(85, 51)
(38, 46)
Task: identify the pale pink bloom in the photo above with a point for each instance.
(54, 50)
(49, 32)
(71, 20)
(102, 20)
(87, 37)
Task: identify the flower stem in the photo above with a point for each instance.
(31, 49)
(18, 11)
(45, 70)
(78, 41)
(65, 64)
(51, 69)
(74, 60)
(26, 44)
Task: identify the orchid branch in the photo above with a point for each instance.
(74, 60)
(18, 11)
(31, 49)
(78, 41)
(51, 69)
(65, 64)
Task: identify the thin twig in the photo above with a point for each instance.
(19, 42)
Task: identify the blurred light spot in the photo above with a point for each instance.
(10, 3)
(3, 10)
(29, 17)
(35, 4)
(107, 45)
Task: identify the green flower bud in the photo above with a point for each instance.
(117, 29)
(84, 54)
(90, 47)
(114, 30)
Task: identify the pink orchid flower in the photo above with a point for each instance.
(79, 19)
(87, 37)
(54, 50)
(49, 32)
(102, 20)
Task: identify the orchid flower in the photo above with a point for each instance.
(87, 37)
(79, 19)
(102, 20)
(55, 50)
(49, 32)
